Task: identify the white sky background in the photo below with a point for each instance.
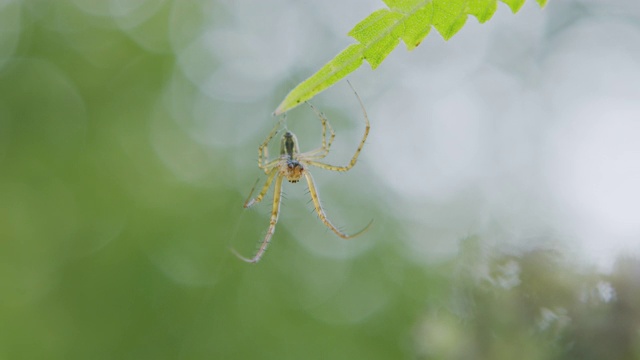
(523, 130)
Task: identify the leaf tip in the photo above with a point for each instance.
(514, 5)
(280, 109)
(285, 106)
(414, 45)
(542, 3)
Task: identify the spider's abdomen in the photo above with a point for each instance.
(292, 170)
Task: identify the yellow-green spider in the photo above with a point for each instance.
(294, 165)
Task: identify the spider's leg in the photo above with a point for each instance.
(277, 195)
(321, 214)
(357, 153)
(250, 202)
(263, 149)
(322, 151)
(246, 202)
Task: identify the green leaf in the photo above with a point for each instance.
(414, 31)
(380, 32)
(483, 10)
(542, 3)
(344, 63)
(378, 35)
(515, 5)
(449, 16)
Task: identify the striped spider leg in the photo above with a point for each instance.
(294, 165)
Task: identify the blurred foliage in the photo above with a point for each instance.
(110, 250)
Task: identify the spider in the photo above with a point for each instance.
(294, 165)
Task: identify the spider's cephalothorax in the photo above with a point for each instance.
(293, 165)
(290, 168)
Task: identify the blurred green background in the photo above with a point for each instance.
(127, 148)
